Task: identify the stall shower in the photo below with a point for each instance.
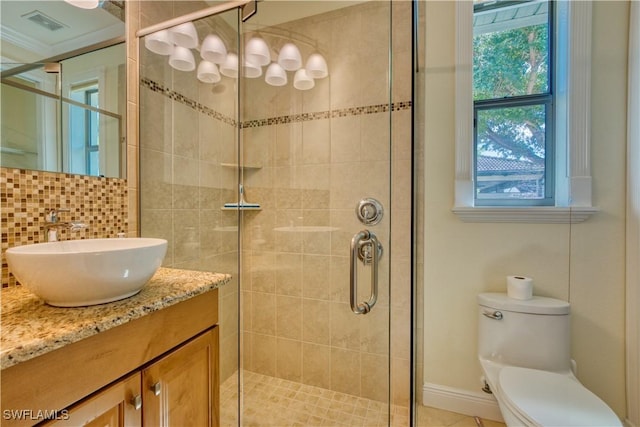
(298, 180)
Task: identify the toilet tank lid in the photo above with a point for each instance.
(535, 305)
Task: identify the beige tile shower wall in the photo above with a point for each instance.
(28, 195)
(321, 152)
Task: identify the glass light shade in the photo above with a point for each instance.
(185, 35)
(208, 72)
(316, 66)
(159, 42)
(302, 80)
(182, 59)
(213, 49)
(230, 66)
(275, 75)
(257, 51)
(289, 57)
(251, 70)
(84, 4)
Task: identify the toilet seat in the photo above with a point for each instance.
(551, 399)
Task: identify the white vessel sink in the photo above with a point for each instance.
(75, 273)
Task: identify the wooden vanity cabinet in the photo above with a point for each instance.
(118, 405)
(179, 389)
(173, 351)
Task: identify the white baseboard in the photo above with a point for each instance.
(461, 401)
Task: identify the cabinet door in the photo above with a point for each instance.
(116, 406)
(181, 389)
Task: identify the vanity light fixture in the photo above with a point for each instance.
(230, 66)
(84, 4)
(316, 66)
(208, 72)
(302, 80)
(178, 42)
(182, 59)
(275, 75)
(185, 35)
(289, 57)
(159, 42)
(213, 49)
(257, 51)
(251, 70)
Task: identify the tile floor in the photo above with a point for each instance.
(274, 402)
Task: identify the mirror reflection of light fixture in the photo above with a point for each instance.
(213, 49)
(275, 75)
(302, 80)
(182, 59)
(159, 42)
(216, 61)
(185, 35)
(208, 72)
(289, 57)
(84, 4)
(230, 66)
(251, 70)
(317, 66)
(257, 51)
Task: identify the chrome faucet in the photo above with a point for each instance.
(53, 224)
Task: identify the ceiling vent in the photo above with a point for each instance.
(43, 20)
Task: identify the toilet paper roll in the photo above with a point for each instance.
(519, 287)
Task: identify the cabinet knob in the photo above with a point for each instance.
(156, 388)
(137, 402)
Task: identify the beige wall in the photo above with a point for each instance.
(582, 263)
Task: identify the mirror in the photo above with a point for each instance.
(63, 87)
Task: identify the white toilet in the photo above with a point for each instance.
(524, 350)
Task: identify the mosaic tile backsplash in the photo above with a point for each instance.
(27, 196)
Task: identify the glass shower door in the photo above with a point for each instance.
(189, 165)
(292, 178)
(317, 154)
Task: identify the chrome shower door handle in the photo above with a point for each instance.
(364, 237)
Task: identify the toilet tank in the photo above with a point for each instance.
(530, 333)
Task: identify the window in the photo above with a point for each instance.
(544, 173)
(513, 103)
(84, 131)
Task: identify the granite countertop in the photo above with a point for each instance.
(31, 328)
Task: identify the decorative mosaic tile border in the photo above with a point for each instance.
(178, 97)
(294, 118)
(27, 195)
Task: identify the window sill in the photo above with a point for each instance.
(543, 215)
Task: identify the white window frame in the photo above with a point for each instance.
(573, 202)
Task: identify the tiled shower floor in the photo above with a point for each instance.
(274, 402)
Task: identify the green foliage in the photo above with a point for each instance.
(511, 63)
(506, 64)
(516, 133)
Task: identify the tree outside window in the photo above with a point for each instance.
(513, 103)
